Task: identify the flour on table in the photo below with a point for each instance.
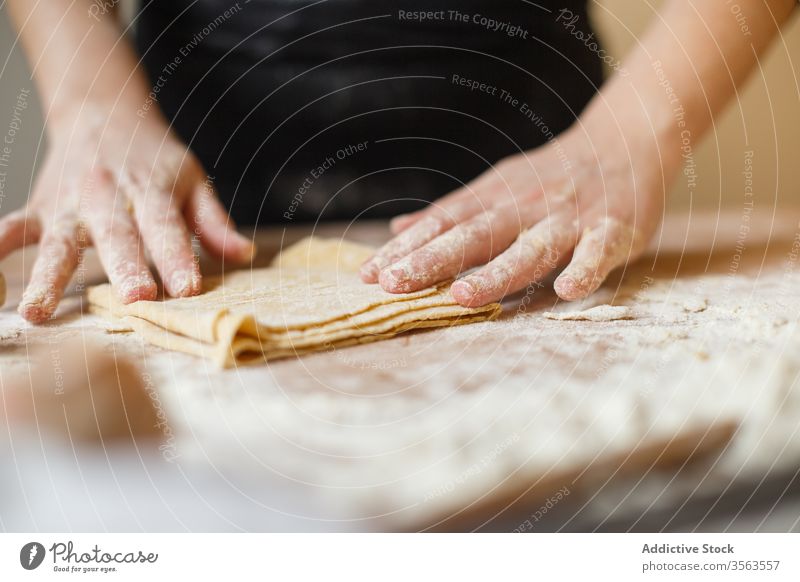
(600, 313)
(695, 305)
(10, 334)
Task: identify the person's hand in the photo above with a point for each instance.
(125, 185)
(575, 201)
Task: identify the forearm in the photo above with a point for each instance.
(686, 68)
(79, 58)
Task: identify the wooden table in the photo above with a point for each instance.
(527, 423)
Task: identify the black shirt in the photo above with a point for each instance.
(342, 108)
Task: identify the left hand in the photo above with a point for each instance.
(577, 201)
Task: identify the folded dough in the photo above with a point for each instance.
(310, 299)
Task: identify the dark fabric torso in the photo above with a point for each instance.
(270, 92)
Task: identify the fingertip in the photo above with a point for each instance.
(568, 288)
(196, 286)
(141, 288)
(394, 279)
(37, 306)
(399, 223)
(184, 284)
(33, 314)
(241, 241)
(229, 244)
(250, 249)
(242, 250)
(463, 292)
(369, 272)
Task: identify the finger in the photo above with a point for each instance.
(118, 244)
(401, 222)
(210, 222)
(58, 257)
(599, 251)
(471, 243)
(533, 256)
(463, 202)
(18, 229)
(437, 219)
(471, 198)
(166, 238)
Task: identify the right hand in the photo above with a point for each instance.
(124, 184)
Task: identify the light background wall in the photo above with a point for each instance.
(764, 119)
(14, 77)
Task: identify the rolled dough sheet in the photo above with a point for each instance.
(310, 299)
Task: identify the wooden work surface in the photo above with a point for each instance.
(490, 425)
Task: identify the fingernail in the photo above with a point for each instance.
(394, 278)
(371, 270)
(37, 305)
(368, 272)
(184, 284)
(462, 291)
(138, 288)
(567, 288)
(178, 284)
(34, 295)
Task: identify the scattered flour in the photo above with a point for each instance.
(600, 313)
(695, 305)
(10, 334)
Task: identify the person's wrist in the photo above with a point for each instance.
(67, 112)
(639, 162)
(98, 111)
(639, 141)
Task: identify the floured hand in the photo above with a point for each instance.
(573, 202)
(126, 185)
